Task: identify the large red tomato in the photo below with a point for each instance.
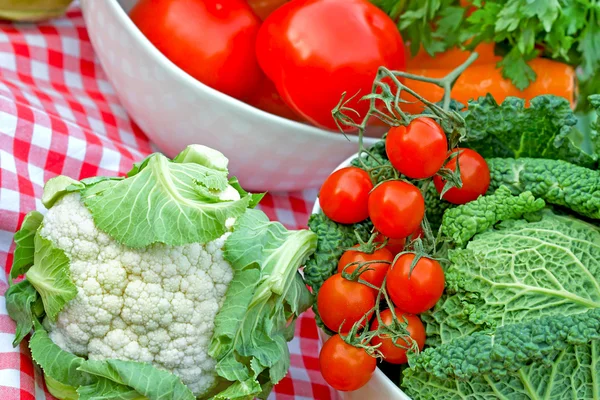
(212, 40)
(314, 50)
(268, 99)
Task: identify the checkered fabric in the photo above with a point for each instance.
(60, 115)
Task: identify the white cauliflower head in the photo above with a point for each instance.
(155, 304)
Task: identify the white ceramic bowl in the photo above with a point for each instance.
(266, 152)
(380, 386)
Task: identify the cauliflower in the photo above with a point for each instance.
(183, 304)
(156, 304)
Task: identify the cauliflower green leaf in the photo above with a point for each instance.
(463, 222)
(164, 201)
(557, 182)
(49, 275)
(22, 303)
(24, 241)
(108, 379)
(59, 364)
(511, 130)
(252, 326)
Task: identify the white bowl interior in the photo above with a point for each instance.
(380, 386)
(174, 110)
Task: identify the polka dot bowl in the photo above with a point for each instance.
(266, 152)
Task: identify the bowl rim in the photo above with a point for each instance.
(378, 374)
(191, 82)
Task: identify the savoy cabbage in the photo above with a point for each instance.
(520, 318)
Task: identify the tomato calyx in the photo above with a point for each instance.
(361, 336)
(368, 247)
(451, 177)
(361, 267)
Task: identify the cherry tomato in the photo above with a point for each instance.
(345, 367)
(263, 8)
(266, 98)
(396, 208)
(212, 40)
(377, 271)
(417, 234)
(344, 195)
(417, 150)
(395, 246)
(416, 291)
(315, 50)
(392, 353)
(474, 173)
(341, 301)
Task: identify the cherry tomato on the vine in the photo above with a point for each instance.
(474, 173)
(395, 246)
(377, 271)
(315, 50)
(342, 302)
(418, 150)
(417, 234)
(345, 367)
(212, 40)
(344, 195)
(416, 291)
(392, 353)
(396, 208)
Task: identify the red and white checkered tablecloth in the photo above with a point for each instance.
(60, 115)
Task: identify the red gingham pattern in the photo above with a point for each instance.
(60, 115)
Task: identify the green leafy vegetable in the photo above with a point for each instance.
(570, 373)
(49, 275)
(520, 270)
(24, 240)
(557, 182)
(251, 329)
(463, 222)
(510, 348)
(520, 317)
(511, 130)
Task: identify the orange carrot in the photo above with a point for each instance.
(552, 78)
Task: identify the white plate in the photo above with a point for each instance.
(380, 387)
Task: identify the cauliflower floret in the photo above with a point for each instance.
(155, 304)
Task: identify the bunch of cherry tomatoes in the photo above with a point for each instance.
(296, 63)
(396, 208)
